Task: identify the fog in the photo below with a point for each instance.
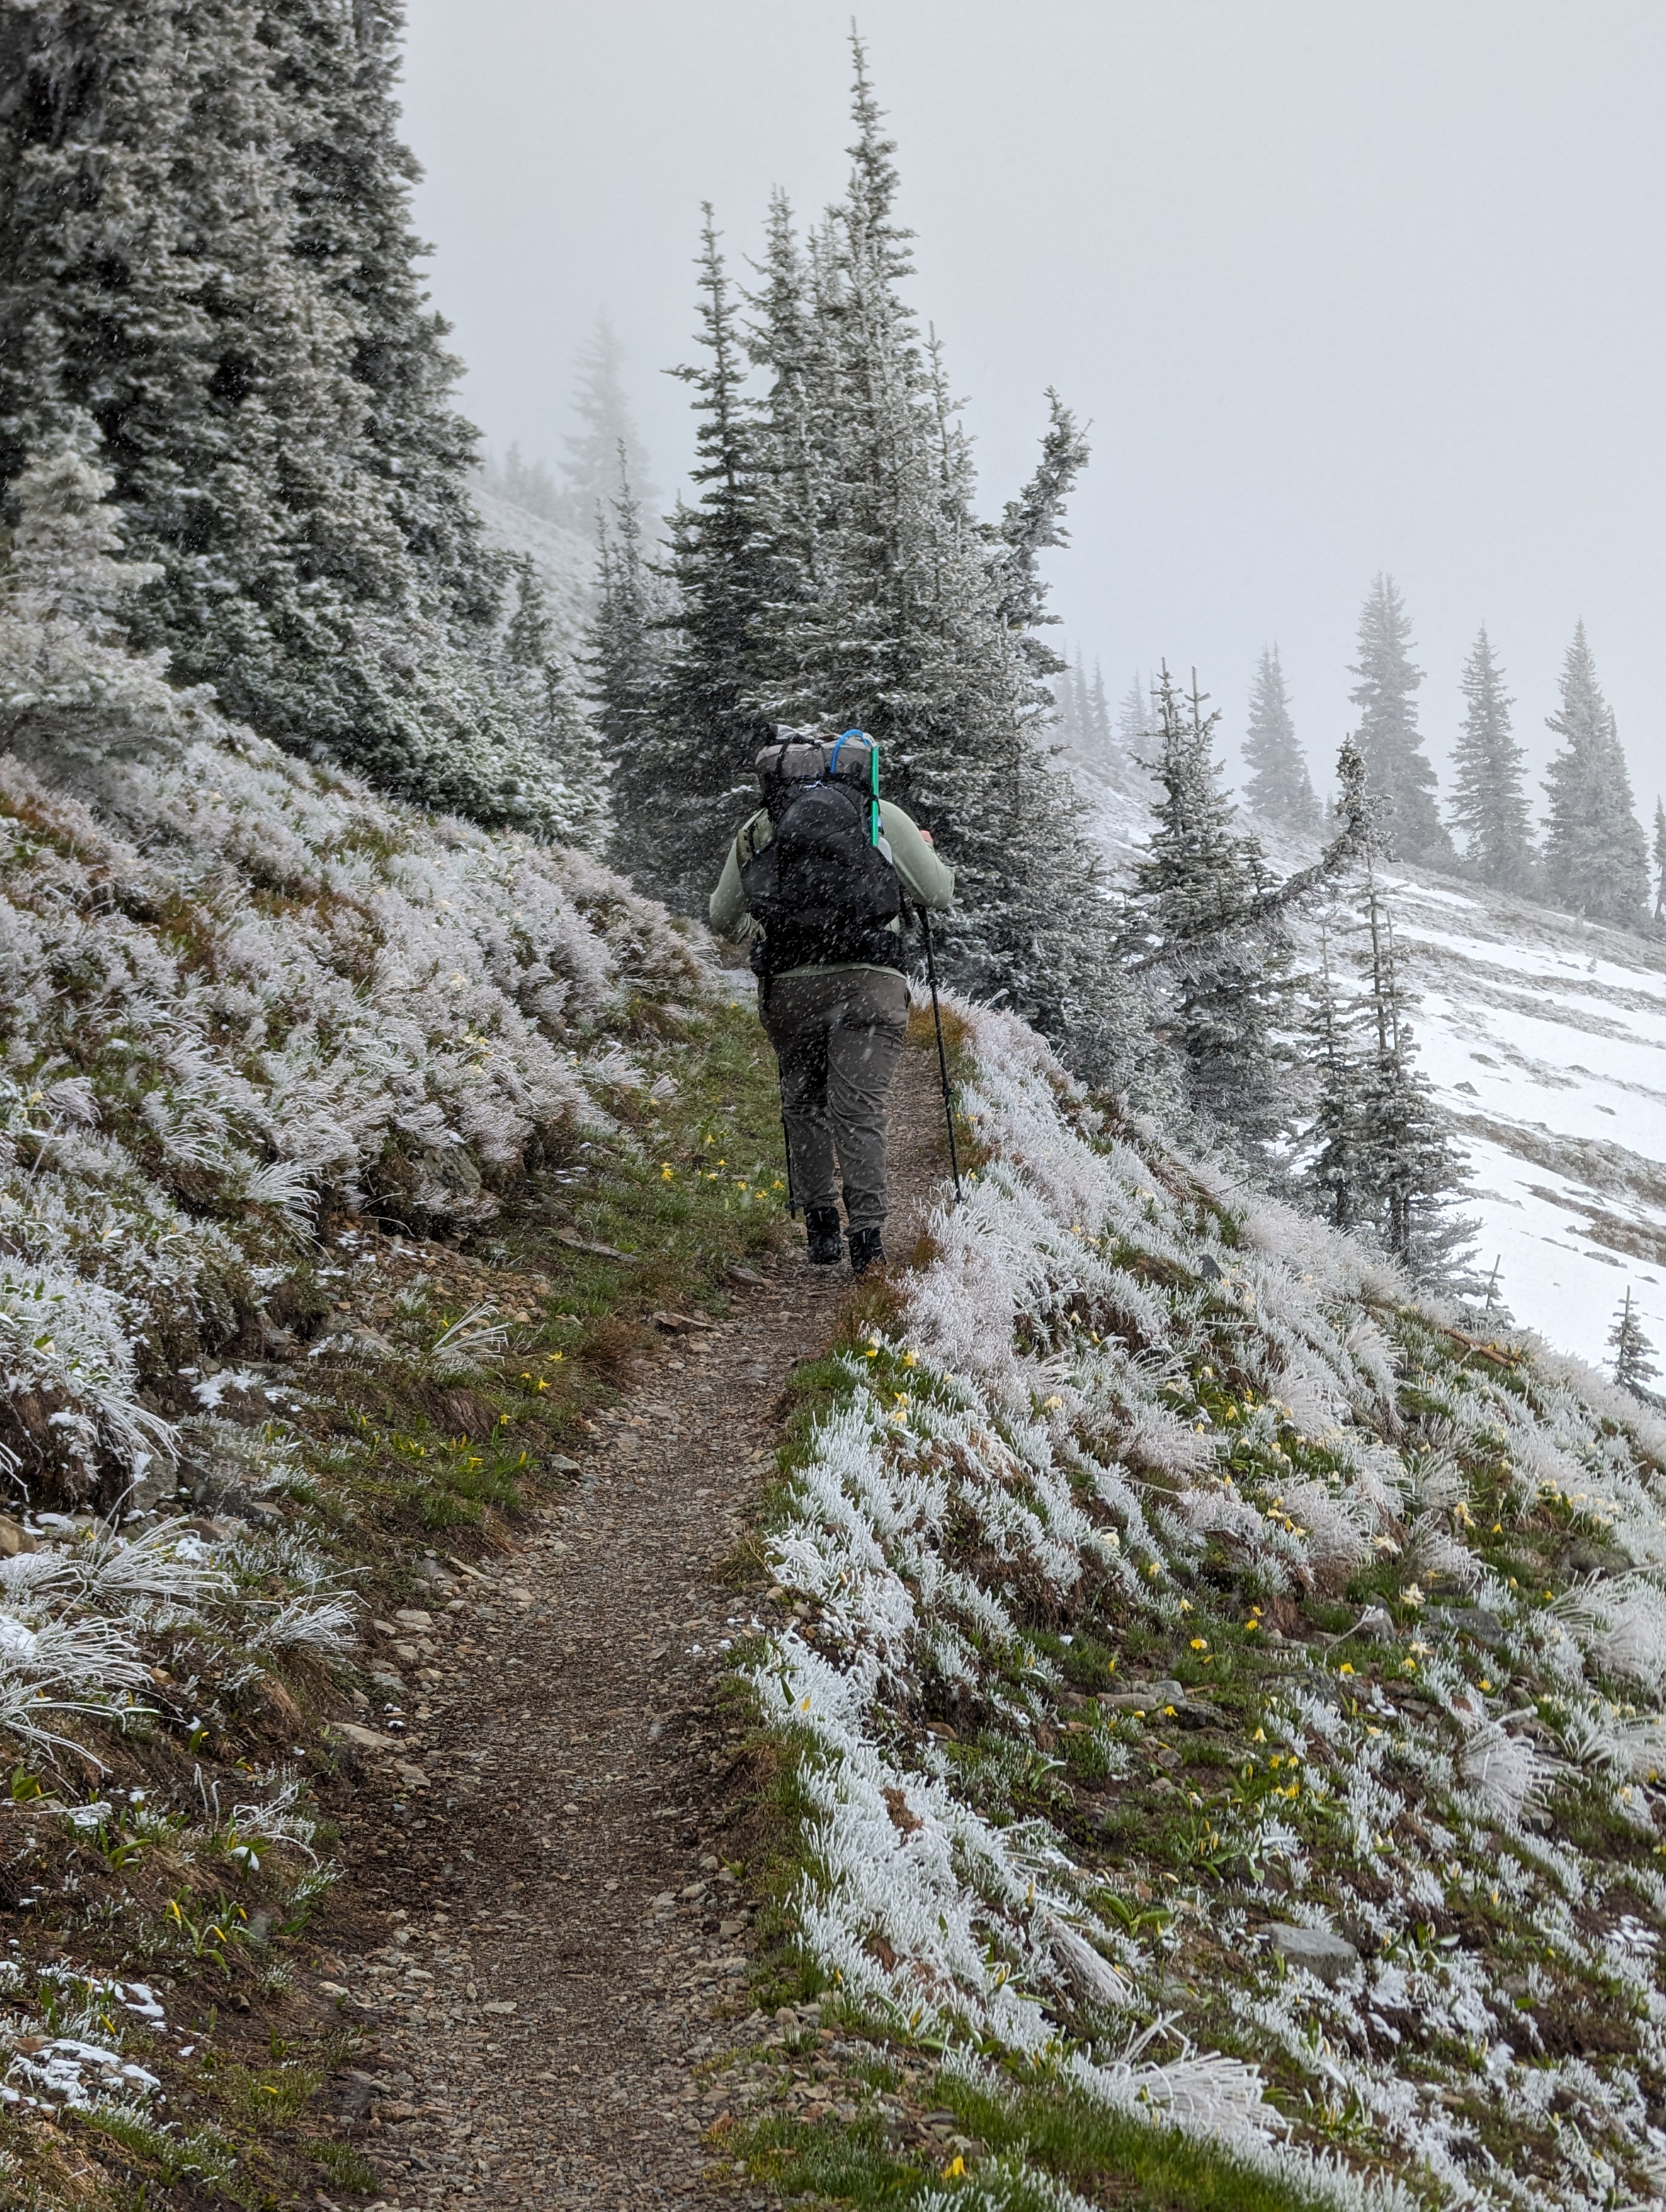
(1340, 288)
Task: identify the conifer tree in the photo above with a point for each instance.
(1070, 690)
(890, 606)
(1196, 883)
(205, 246)
(1279, 789)
(1660, 863)
(1097, 714)
(171, 311)
(608, 439)
(1408, 1175)
(542, 698)
(623, 663)
(1136, 732)
(1331, 1171)
(349, 177)
(1596, 859)
(1389, 738)
(1489, 802)
(64, 592)
(685, 783)
(529, 634)
(1634, 1366)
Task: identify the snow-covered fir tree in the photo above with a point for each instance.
(901, 613)
(66, 560)
(1389, 738)
(1596, 858)
(1660, 863)
(1225, 1009)
(173, 311)
(1135, 731)
(1330, 1177)
(236, 306)
(833, 572)
(1100, 733)
(1489, 797)
(65, 589)
(1635, 1367)
(349, 178)
(1380, 1153)
(1279, 790)
(1070, 692)
(1084, 711)
(623, 663)
(682, 787)
(607, 436)
(545, 697)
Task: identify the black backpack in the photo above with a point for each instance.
(825, 886)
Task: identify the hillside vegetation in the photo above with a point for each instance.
(1227, 1694)
(1543, 1036)
(346, 1152)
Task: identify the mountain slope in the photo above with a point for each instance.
(1545, 1038)
(1224, 1692)
(564, 563)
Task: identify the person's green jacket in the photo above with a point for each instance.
(927, 881)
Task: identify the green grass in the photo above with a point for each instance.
(204, 2157)
(1144, 2163)
(347, 2168)
(1048, 2130)
(687, 1187)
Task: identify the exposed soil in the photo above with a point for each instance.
(540, 1859)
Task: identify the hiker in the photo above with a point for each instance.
(815, 881)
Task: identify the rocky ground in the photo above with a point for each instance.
(545, 1938)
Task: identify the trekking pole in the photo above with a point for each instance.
(942, 1056)
(787, 1146)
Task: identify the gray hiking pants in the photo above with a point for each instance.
(838, 1035)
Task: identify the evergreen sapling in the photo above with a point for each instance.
(1635, 1367)
(1409, 1173)
(1330, 1175)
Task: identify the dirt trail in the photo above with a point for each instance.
(572, 1952)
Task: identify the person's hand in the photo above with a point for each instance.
(927, 838)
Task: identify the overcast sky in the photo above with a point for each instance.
(1341, 287)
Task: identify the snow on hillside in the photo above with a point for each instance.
(1545, 1038)
(237, 988)
(1226, 1692)
(565, 563)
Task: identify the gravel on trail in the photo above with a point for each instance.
(550, 1949)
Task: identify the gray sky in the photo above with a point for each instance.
(1340, 287)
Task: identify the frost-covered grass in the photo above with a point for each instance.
(239, 992)
(344, 1154)
(1169, 1572)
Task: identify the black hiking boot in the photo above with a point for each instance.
(820, 1224)
(866, 1250)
